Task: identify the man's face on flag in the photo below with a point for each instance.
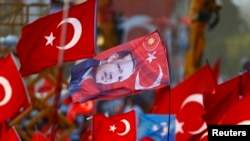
(116, 69)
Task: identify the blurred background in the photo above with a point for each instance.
(223, 26)
(122, 20)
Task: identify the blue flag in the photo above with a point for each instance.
(158, 127)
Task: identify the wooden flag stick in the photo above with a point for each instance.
(60, 71)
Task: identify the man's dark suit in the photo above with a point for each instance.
(78, 70)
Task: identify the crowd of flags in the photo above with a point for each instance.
(178, 113)
(125, 127)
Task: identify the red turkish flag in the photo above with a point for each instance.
(40, 42)
(11, 135)
(42, 87)
(46, 86)
(185, 100)
(227, 93)
(149, 58)
(80, 108)
(13, 92)
(238, 114)
(120, 127)
(226, 103)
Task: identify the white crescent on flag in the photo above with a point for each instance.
(244, 122)
(157, 82)
(7, 90)
(127, 127)
(77, 32)
(198, 98)
(193, 98)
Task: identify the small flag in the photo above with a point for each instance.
(158, 127)
(116, 128)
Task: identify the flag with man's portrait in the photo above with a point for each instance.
(147, 70)
(41, 41)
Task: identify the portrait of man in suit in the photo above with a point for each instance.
(116, 68)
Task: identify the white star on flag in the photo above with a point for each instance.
(155, 128)
(151, 57)
(178, 127)
(112, 128)
(50, 39)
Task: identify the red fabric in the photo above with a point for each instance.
(46, 130)
(13, 93)
(226, 93)
(36, 53)
(185, 100)
(147, 139)
(190, 113)
(203, 136)
(238, 113)
(11, 135)
(102, 127)
(87, 135)
(151, 60)
(80, 108)
(37, 136)
(3, 129)
(46, 86)
(160, 100)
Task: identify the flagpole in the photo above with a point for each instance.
(240, 85)
(60, 72)
(94, 111)
(169, 113)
